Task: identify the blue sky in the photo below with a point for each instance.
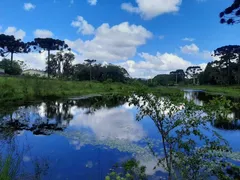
(147, 37)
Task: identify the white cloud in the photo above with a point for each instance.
(115, 123)
(42, 33)
(29, 6)
(188, 39)
(149, 9)
(17, 33)
(155, 64)
(83, 26)
(114, 43)
(194, 50)
(129, 7)
(161, 37)
(190, 49)
(92, 2)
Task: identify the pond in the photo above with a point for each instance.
(84, 137)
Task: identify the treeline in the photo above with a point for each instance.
(178, 77)
(226, 70)
(223, 71)
(60, 66)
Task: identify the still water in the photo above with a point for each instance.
(83, 138)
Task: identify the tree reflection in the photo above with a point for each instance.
(50, 116)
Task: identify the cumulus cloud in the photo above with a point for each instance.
(83, 26)
(190, 49)
(188, 39)
(92, 2)
(149, 9)
(114, 43)
(29, 6)
(42, 33)
(155, 64)
(194, 50)
(17, 33)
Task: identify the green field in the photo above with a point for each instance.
(14, 89)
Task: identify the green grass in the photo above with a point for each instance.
(225, 90)
(17, 89)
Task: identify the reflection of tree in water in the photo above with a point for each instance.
(97, 102)
(31, 118)
(46, 118)
(202, 98)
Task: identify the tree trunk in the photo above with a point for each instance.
(90, 72)
(176, 78)
(12, 62)
(48, 63)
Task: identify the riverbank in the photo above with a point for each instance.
(224, 90)
(17, 89)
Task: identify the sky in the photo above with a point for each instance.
(146, 37)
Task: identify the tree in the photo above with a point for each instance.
(231, 14)
(190, 150)
(10, 45)
(12, 68)
(49, 44)
(101, 73)
(90, 62)
(228, 56)
(68, 58)
(60, 64)
(179, 74)
(193, 72)
(52, 65)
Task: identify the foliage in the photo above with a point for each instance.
(231, 14)
(179, 74)
(12, 68)
(10, 45)
(128, 170)
(48, 44)
(11, 162)
(100, 73)
(193, 72)
(189, 153)
(23, 88)
(226, 70)
(60, 65)
(164, 79)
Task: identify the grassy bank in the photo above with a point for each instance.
(14, 89)
(228, 91)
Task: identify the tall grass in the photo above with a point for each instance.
(12, 89)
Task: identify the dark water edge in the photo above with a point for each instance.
(83, 137)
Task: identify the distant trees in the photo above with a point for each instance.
(60, 65)
(89, 63)
(100, 73)
(49, 44)
(12, 67)
(193, 72)
(231, 14)
(179, 74)
(10, 45)
(226, 70)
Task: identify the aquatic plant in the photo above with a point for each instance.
(191, 149)
(128, 170)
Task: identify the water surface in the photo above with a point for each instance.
(82, 138)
